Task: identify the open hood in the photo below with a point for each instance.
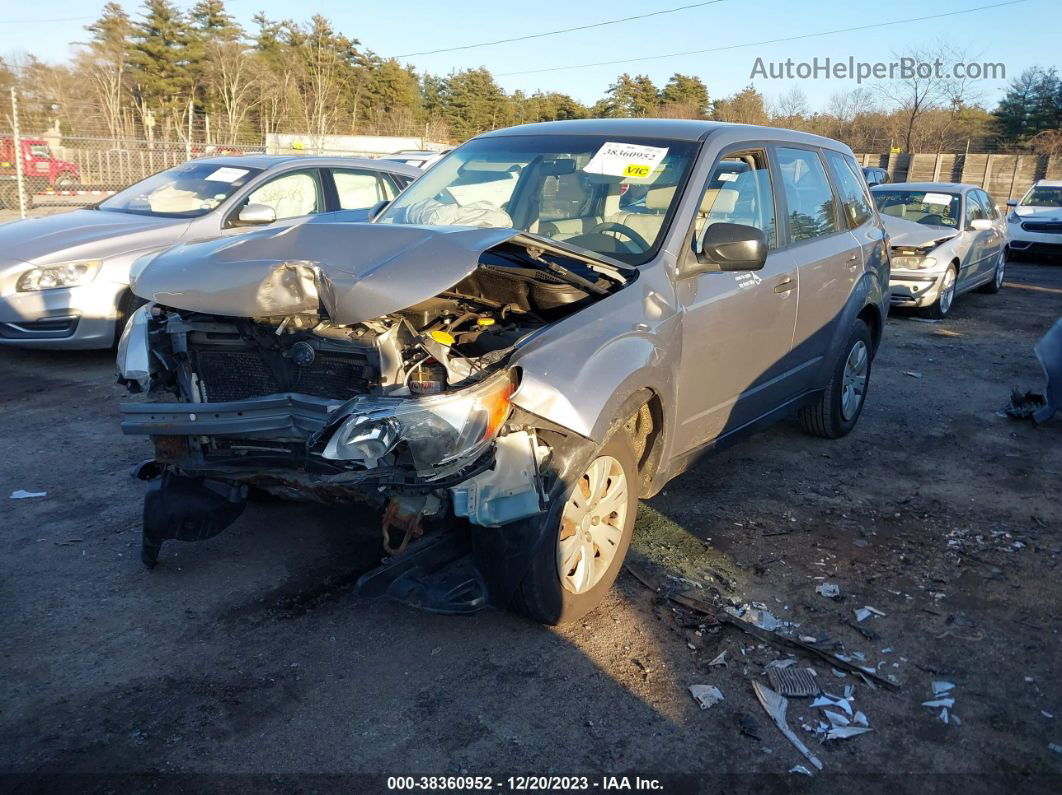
(914, 235)
(356, 272)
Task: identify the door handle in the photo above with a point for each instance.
(785, 286)
(853, 261)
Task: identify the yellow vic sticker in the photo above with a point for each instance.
(636, 170)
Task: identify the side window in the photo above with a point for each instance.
(854, 199)
(989, 205)
(739, 191)
(360, 190)
(812, 207)
(974, 208)
(290, 195)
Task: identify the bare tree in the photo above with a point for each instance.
(231, 76)
(791, 109)
(931, 86)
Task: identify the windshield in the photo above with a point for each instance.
(607, 195)
(931, 208)
(187, 191)
(1043, 197)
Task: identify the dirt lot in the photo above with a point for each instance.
(249, 653)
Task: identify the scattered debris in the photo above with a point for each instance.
(1055, 747)
(793, 681)
(865, 612)
(940, 687)
(826, 700)
(757, 614)
(22, 494)
(912, 373)
(844, 732)
(1023, 405)
(828, 589)
(706, 695)
(720, 660)
(939, 702)
(748, 726)
(775, 706)
(800, 769)
(1047, 714)
(782, 663)
(714, 616)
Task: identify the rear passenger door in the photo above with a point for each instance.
(829, 258)
(857, 208)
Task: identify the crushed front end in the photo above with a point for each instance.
(408, 413)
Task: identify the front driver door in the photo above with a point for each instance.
(737, 327)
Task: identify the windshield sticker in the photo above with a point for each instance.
(727, 176)
(227, 174)
(633, 161)
(937, 198)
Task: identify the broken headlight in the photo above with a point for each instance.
(66, 274)
(438, 430)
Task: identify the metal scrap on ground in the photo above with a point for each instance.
(775, 706)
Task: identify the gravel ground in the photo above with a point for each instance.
(249, 653)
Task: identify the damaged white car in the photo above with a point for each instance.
(551, 323)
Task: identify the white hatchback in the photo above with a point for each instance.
(1034, 223)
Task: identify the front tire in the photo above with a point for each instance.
(585, 546)
(946, 297)
(836, 411)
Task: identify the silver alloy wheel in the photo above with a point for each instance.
(854, 379)
(1002, 266)
(592, 525)
(947, 291)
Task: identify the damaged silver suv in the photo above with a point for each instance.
(552, 322)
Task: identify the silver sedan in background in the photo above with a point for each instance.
(64, 278)
(945, 238)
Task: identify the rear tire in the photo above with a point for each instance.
(542, 594)
(836, 411)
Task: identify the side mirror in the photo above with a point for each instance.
(1012, 202)
(980, 225)
(256, 215)
(729, 247)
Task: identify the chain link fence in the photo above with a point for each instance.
(53, 169)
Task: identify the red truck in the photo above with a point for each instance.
(40, 169)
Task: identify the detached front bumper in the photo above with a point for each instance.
(914, 288)
(70, 317)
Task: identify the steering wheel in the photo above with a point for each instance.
(623, 229)
(932, 220)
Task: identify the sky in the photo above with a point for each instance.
(1018, 35)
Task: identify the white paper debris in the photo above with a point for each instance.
(706, 695)
(22, 494)
(828, 589)
(862, 614)
(941, 687)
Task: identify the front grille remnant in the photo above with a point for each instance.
(227, 375)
